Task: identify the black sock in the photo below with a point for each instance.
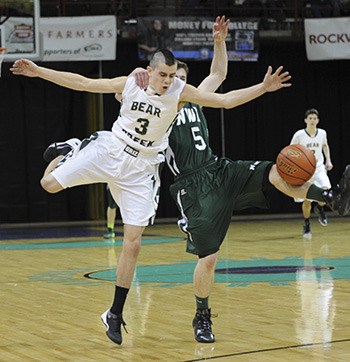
(120, 295)
(202, 303)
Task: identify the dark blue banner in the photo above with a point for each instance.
(190, 38)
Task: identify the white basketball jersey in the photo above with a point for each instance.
(314, 143)
(145, 120)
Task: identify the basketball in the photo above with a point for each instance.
(296, 164)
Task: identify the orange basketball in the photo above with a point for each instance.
(296, 164)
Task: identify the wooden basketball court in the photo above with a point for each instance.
(278, 297)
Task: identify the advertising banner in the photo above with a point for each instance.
(78, 38)
(190, 38)
(327, 39)
(18, 35)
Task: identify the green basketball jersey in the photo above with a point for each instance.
(188, 141)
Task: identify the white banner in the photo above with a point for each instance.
(78, 38)
(327, 39)
(17, 35)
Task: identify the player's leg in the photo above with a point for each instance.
(306, 208)
(337, 197)
(56, 149)
(54, 155)
(321, 179)
(203, 280)
(129, 254)
(80, 166)
(207, 217)
(297, 192)
(48, 182)
(77, 167)
(111, 215)
(204, 275)
(320, 212)
(113, 317)
(135, 193)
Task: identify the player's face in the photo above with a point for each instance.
(311, 120)
(181, 74)
(161, 77)
(157, 24)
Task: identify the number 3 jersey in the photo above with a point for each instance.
(188, 141)
(145, 120)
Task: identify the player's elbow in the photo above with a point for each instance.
(85, 84)
(228, 104)
(222, 76)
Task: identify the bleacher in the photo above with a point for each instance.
(277, 17)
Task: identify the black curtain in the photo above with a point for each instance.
(35, 113)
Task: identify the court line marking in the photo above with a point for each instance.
(268, 350)
(83, 244)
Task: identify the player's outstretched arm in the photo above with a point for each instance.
(218, 68)
(67, 79)
(272, 82)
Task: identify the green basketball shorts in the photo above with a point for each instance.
(208, 196)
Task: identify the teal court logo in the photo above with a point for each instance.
(240, 273)
(233, 273)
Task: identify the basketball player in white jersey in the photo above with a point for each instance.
(127, 158)
(315, 139)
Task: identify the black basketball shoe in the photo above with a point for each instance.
(202, 326)
(338, 197)
(307, 229)
(322, 218)
(113, 323)
(60, 149)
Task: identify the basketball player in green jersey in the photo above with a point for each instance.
(208, 189)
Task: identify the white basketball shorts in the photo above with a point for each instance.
(132, 177)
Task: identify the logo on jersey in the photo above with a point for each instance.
(189, 115)
(253, 165)
(313, 145)
(131, 151)
(144, 107)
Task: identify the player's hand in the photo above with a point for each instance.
(24, 67)
(141, 77)
(329, 166)
(220, 28)
(277, 80)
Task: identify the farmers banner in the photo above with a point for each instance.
(78, 38)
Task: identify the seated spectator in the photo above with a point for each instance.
(321, 8)
(276, 10)
(345, 7)
(253, 8)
